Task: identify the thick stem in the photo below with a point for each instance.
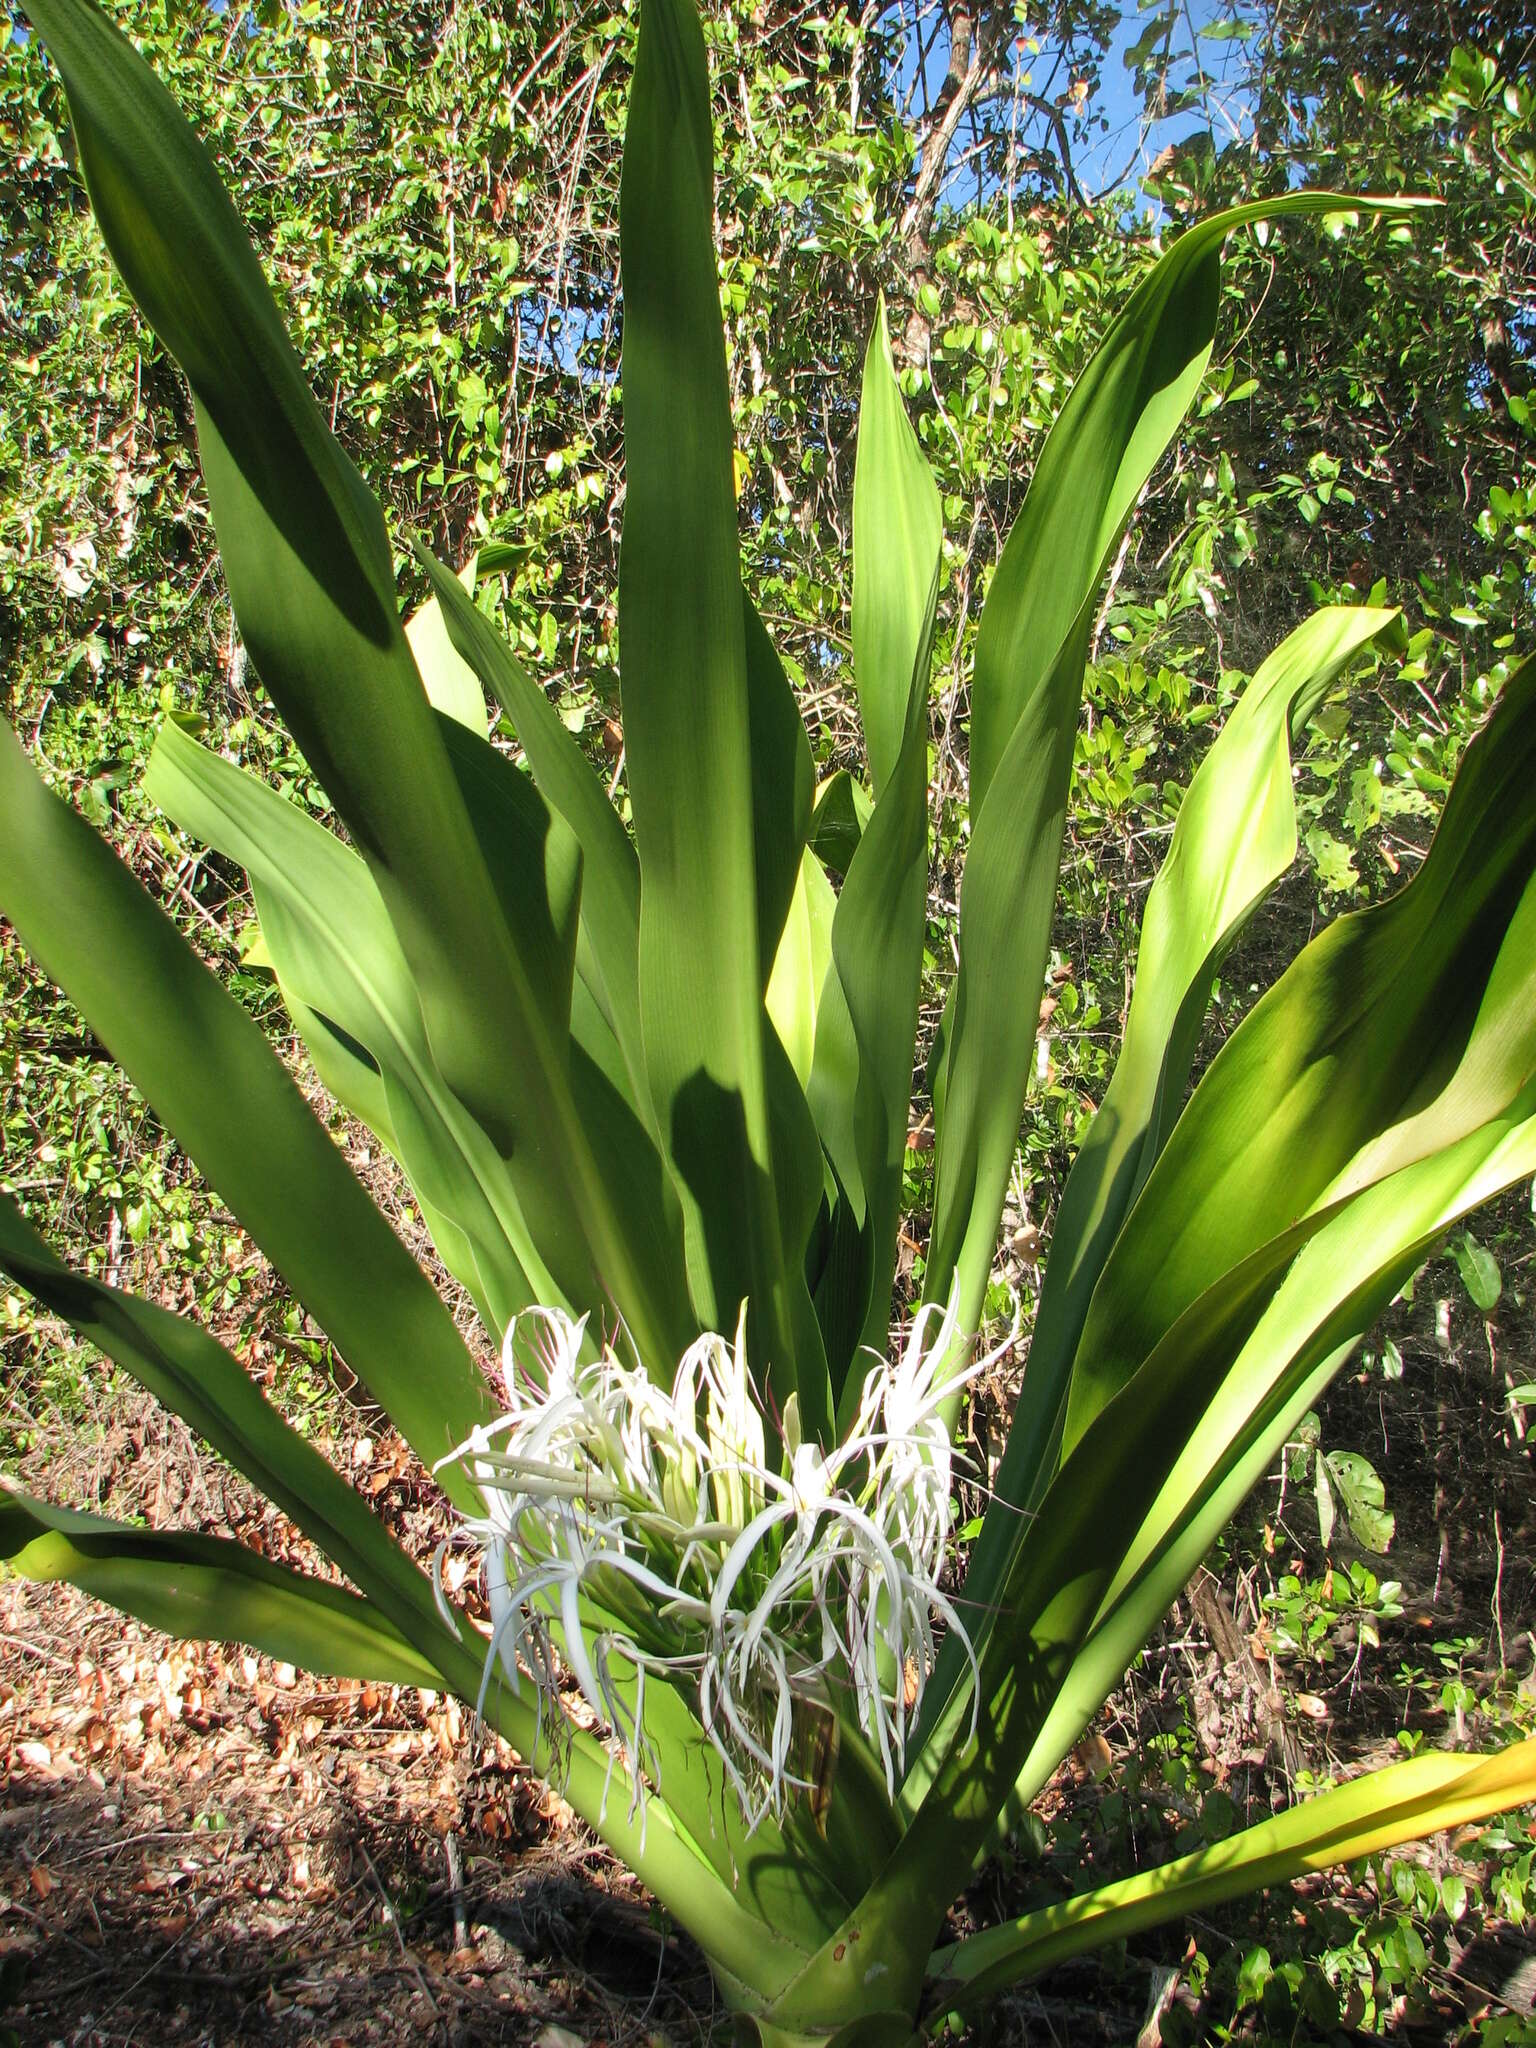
(650, 1841)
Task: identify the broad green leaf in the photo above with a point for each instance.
(1341, 1282)
(308, 564)
(336, 953)
(1363, 1498)
(1475, 891)
(610, 898)
(1364, 1245)
(609, 1080)
(1397, 1030)
(452, 685)
(532, 857)
(316, 898)
(1118, 419)
(1424, 1795)
(897, 535)
(591, 1034)
(348, 1071)
(502, 1049)
(781, 812)
(1180, 1448)
(1371, 1244)
(1048, 1663)
(518, 835)
(860, 1088)
(861, 1078)
(1031, 648)
(186, 1369)
(687, 712)
(1234, 837)
(212, 1077)
(207, 1588)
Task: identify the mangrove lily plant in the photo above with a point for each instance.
(653, 1093)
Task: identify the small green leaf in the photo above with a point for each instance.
(1479, 1271)
(1363, 1498)
(1253, 1973)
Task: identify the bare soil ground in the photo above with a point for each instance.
(198, 1845)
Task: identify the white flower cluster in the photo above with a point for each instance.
(643, 1532)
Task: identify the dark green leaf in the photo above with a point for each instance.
(224, 1094)
(210, 1589)
(688, 719)
(182, 1366)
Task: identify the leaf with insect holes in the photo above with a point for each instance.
(1362, 1496)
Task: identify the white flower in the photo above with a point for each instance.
(644, 1533)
